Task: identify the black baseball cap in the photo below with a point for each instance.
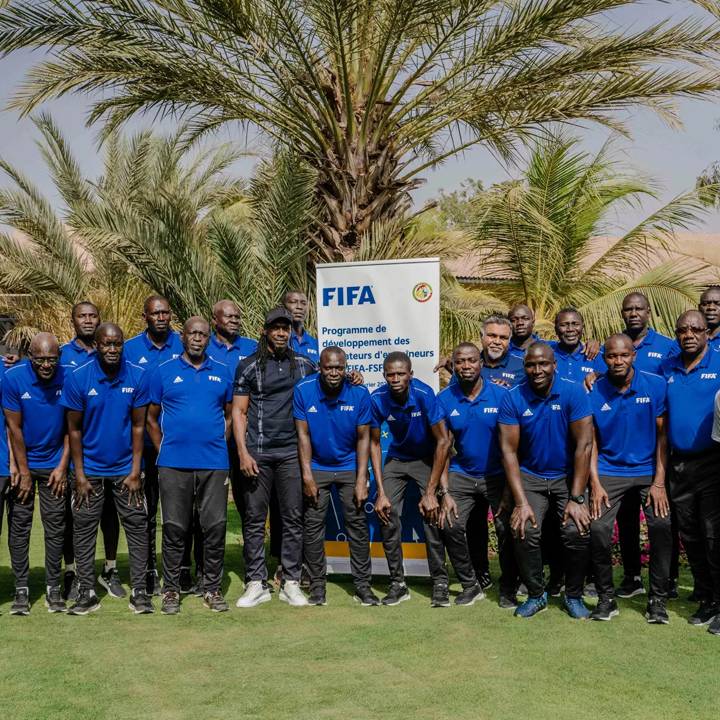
(278, 313)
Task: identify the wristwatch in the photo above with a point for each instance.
(579, 499)
(441, 493)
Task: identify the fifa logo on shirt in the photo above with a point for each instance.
(587, 369)
(511, 376)
(708, 376)
(352, 295)
(347, 408)
(490, 410)
(555, 407)
(642, 400)
(655, 355)
(128, 390)
(214, 378)
(416, 414)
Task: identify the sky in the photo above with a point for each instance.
(671, 157)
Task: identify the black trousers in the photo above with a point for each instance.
(284, 477)
(397, 474)
(180, 489)
(20, 518)
(478, 536)
(467, 491)
(695, 492)
(659, 532)
(152, 498)
(4, 487)
(544, 495)
(355, 526)
(276, 528)
(86, 521)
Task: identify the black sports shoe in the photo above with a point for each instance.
(705, 613)
(215, 601)
(110, 580)
(508, 601)
(397, 593)
(606, 609)
(470, 595)
(485, 580)
(672, 590)
(186, 581)
(655, 612)
(317, 596)
(365, 596)
(440, 595)
(54, 601)
(87, 602)
(152, 583)
(140, 603)
(630, 587)
(70, 586)
(170, 603)
(714, 626)
(21, 604)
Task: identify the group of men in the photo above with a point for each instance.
(558, 438)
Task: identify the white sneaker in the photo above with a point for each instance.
(291, 593)
(255, 594)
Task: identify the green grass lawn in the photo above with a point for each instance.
(346, 662)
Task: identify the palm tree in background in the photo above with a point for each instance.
(545, 239)
(369, 93)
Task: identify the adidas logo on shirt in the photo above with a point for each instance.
(177, 379)
(671, 379)
(454, 413)
(605, 408)
(527, 413)
(92, 392)
(26, 396)
(391, 418)
(142, 360)
(312, 408)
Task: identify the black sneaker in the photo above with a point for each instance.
(186, 582)
(470, 595)
(655, 612)
(606, 609)
(508, 601)
(485, 580)
(365, 596)
(397, 593)
(714, 626)
(170, 603)
(87, 602)
(140, 603)
(110, 580)
(54, 601)
(70, 586)
(705, 613)
(215, 601)
(152, 583)
(440, 595)
(21, 604)
(317, 596)
(554, 586)
(672, 589)
(630, 587)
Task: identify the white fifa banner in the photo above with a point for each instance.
(370, 309)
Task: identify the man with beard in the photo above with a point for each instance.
(106, 401)
(546, 444)
(36, 421)
(188, 421)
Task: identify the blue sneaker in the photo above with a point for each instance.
(532, 606)
(576, 609)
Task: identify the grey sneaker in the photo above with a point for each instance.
(141, 603)
(21, 604)
(110, 580)
(54, 601)
(170, 603)
(215, 601)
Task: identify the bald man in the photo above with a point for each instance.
(36, 422)
(188, 421)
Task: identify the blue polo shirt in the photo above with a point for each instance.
(43, 417)
(690, 398)
(192, 413)
(409, 424)
(575, 366)
(231, 355)
(520, 352)
(626, 424)
(652, 351)
(72, 353)
(332, 421)
(305, 345)
(473, 424)
(510, 369)
(546, 448)
(106, 404)
(4, 450)
(140, 350)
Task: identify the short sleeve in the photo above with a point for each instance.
(716, 419)
(10, 396)
(298, 405)
(71, 397)
(141, 396)
(508, 414)
(229, 386)
(579, 404)
(364, 411)
(434, 411)
(241, 384)
(378, 416)
(661, 408)
(154, 387)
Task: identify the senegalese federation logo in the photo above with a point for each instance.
(422, 292)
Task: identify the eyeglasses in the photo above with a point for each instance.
(690, 329)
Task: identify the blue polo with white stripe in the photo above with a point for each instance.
(473, 424)
(4, 450)
(192, 413)
(106, 404)
(510, 369)
(141, 351)
(43, 416)
(231, 355)
(546, 448)
(305, 345)
(332, 422)
(652, 350)
(74, 354)
(574, 365)
(626, 424)
(410, 423)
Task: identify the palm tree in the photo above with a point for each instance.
(545, 239)
(370, 93)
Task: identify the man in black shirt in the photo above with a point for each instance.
(264, 431)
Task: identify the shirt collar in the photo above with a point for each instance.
(513, 346)
(502, 364)
(633, 389)
(532, 396)
(462, 397)
(302, 340)
(648, 338)
(103, 378)
(205, 364)
(150, 345)
(215, 340)
(55, 380)
(577, 355)
(411, 401)
(342, 397)
(676, 361)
